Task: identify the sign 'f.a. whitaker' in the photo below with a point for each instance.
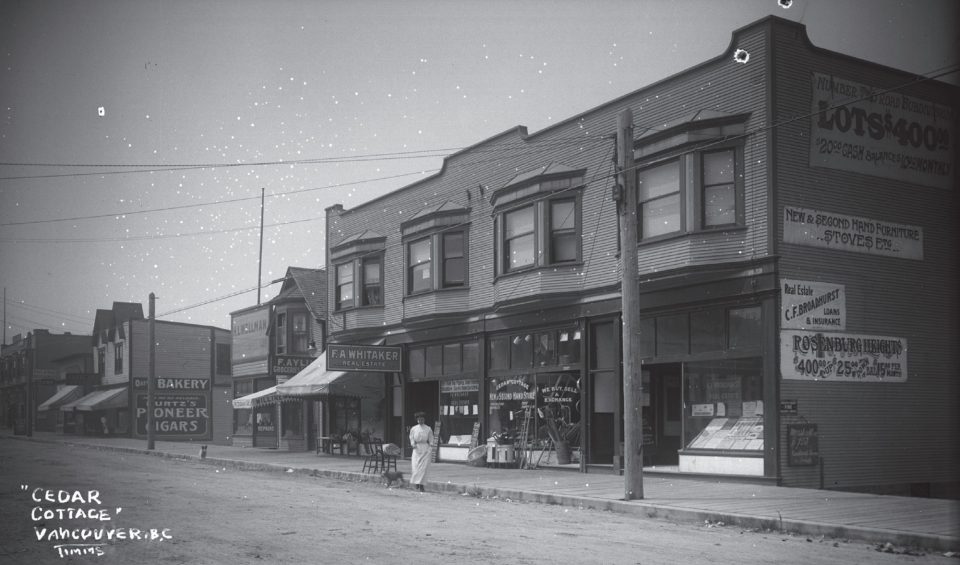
(342, 357)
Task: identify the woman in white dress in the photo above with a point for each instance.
(421, 439)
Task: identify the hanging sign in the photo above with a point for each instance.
(810, 305)
(842, 357)
(861, 129)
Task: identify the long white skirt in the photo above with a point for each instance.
(419, 463)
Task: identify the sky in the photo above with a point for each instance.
(136, 136)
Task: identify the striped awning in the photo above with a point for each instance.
(66, 394)
(256, 399)
(313, 380)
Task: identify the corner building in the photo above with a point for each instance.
(796, 241)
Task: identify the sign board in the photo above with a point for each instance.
(810, 305)
(803, 445)
(381, 358)
(290, 364)
(182, 415)
(862, 129)
(839, 356)
(829, 230)
(250, 339)
(81, 379)
(789, 407)
(173, 384)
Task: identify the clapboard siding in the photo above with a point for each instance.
(721, 85)
(871, 433)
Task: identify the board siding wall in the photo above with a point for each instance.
(871, 433)
(721, 85)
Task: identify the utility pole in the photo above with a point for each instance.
(151, 379)
(630, 311)
(260, 257)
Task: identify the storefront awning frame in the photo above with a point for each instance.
(257, 399)
(99, 400)
(69, 393)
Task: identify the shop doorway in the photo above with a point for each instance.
(422, 396)
(662, 414)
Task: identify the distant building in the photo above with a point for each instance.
(273, 342)
(192, 384)
(29, 376)
(797, 238)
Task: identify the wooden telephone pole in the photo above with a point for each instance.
(630, 311)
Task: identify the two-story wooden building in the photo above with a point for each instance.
(273, 342)
(796, 229)
(191, 400)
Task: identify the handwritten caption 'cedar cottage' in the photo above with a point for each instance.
(74, 521)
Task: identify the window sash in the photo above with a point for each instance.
(281, 333)
(563, 231)
(454, 259)
(719, 191)
(372, 282)
(301, 334)
(660, 216)
(419, 266)
(344, 286)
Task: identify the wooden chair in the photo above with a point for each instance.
(388, 461)
(373, 462)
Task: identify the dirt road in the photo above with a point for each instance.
(170, 511)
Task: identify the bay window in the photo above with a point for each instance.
(345, 286)
(372, 281)
(719, 188)
(659, 200)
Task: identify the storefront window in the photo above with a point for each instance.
(568, 347)
(551, 401)
(451, 359)
(434, 361)
(521, 351)
(499, 353)
(471, 358)
(416, 363)
(745, 327)
(243, 419)
(459, 409)
(724, 405)
(672, 335)
(706, 331)
(545, 349)
(507, 398)
(292, 418)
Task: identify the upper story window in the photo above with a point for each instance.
(537, 219)
(118, 357)
(372, 281)
(281, 333)
(300, 332)
(223, 359)
(453, 255)
(659, 200)
(359, 271)
(699, 189)
(419, 266)
(436, 243)
(101, 360)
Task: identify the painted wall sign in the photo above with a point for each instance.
(811, 305)
(816, 228)
(182, 415)
(803, 445)
(165, 384)
(789, 407)
(842, 357)
(889, 134)
(384, 358)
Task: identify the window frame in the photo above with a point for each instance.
(409, 267)
(293, 343)
(442, 281)
(543, 232)
(363, 284)
(118, 357)
(280, 334)
(339, 302)
(693, 191)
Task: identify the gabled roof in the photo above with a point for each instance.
(308, 284)
(108, 320)
(443, 207)
(365, 235)
(551, 169)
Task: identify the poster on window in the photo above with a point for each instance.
(812, 305)
(842, 357)
(862, 129)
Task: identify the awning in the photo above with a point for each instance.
(257, 399)
(99, 400)
(312, 380)
(66, 394)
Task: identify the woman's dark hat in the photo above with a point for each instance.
(419, 415)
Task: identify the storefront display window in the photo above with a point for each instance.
(723, 403)
(568, 347)
(459, 409)
(521, 351)
(243, 419)
(292, 419)
(745, 328)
